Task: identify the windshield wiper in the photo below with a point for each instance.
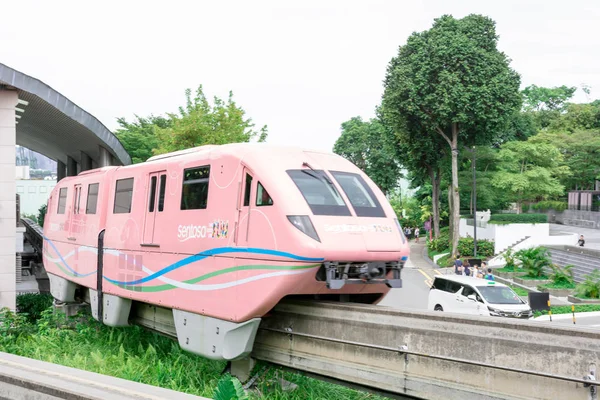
(315, 175)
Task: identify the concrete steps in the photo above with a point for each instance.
(584, 264)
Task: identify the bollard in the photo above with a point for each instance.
(549, 310)
(573, 310)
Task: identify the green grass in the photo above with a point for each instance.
(560, 285)
(445, 261)
(139, 355)
(567, 309)
(508, 269)
(519, 291)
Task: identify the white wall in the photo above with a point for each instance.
(504, 236)
(568, 239)
(33, 194)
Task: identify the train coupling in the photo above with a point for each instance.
(338, 274)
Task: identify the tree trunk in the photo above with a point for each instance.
(436, 182)
(435, 199)
(450, 211)
(455, 216)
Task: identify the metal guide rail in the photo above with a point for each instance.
(34, 234)
(431, 355)
(24, 378)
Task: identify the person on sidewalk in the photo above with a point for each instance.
(458, 265)
(581, 241)
(417, 235)
(489, 275)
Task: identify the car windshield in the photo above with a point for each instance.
(499, 295)
(319, 192)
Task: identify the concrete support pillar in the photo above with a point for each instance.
(597, 185)
(71, 167)
(61, 170)
(86, 162)
(8, 223)
(105, 158)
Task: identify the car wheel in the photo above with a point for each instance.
(438, 308)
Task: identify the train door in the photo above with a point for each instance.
(155, 206)
(244, 206)
(74, 215)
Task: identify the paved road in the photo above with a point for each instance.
(416, 281)
(586, 320)
(591, 236)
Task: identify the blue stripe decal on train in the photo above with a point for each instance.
(192, 259)
(212, 252)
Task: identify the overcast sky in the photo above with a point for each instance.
(302, 68)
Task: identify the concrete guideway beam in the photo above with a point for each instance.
(24, 378)
(430, 355)
(8, 206)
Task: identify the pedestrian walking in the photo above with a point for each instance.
(458, 266)
(581, 241)
(417, 235)
(489, 275)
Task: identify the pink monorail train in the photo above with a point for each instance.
(218, 235)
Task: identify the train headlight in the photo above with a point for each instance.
(303, 223)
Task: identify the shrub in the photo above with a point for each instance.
(520, 218)
(32, 304)
(534, 260)
(509, 257)
(485, 248)
(30, 216)
(562, 275)
(42, 213)
(230, 388)
(590, 288)
(550, 205)
(439, 244)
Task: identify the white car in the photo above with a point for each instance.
(467, 295)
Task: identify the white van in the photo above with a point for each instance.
(476, 296)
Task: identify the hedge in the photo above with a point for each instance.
(520, 218)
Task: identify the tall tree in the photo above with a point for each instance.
(199, 123)
(453, 79)
(139, 137)
(538, 98)
(370, 146)
(530, 170)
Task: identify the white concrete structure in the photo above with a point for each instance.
(8, 219)
(33, 194)
(504, 236)
(34, 115)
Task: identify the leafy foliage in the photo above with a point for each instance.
(549, 205)
(509, 257)
(590, 287)
(466, 247)
(199, 123)
(530, 170)
(370, 146)
(538, 98)
(451, 83)
(42, 214)
(32, 305)
(534, 260)
(230, 388)
(562, 275)
(520, 218)
(139, 137)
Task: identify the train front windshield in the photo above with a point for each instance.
(324, 199)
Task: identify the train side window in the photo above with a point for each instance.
(92, 198)
(248, 189)
(123, 196)
(152, 194)
(62, 201)
(262, 196)
(194, 191)
(161, 195)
